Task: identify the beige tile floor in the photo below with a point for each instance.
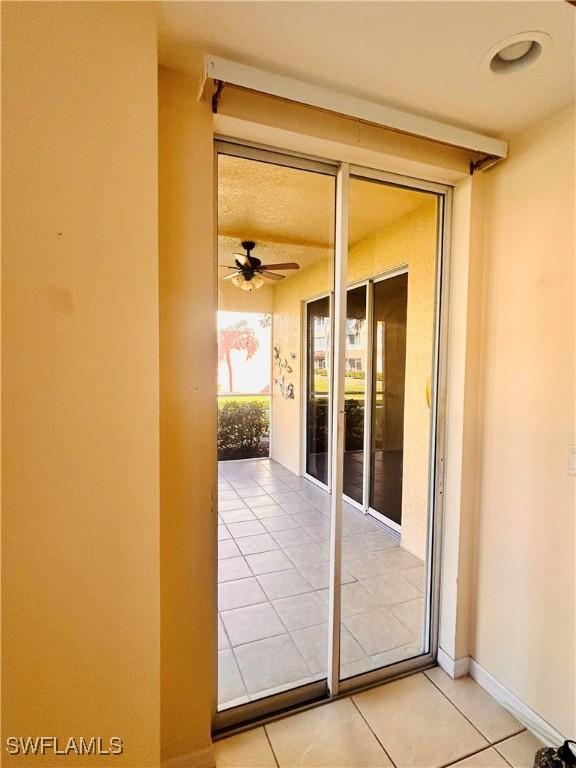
(423, 721)
(273, 585)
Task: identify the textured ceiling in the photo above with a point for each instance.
(259, 201)
(425, 57)
(286, 205)
(289, 213)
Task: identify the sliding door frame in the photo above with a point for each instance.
(304, 389)
(325, 689)
(393, 527)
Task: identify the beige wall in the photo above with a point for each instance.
(80, 560)
(524, 609)
(188, 416)
(410, 240)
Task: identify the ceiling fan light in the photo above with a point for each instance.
(246, 285)
(238, 280)
(257, 281)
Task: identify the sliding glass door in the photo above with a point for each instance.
(386, 607)
(327, 574)
(388, 387)
(318, 387)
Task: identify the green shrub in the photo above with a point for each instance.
(243, 429)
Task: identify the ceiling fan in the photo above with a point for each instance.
(250, 272)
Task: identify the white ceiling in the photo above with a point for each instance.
(424, 57)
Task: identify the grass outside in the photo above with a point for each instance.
(353, 389)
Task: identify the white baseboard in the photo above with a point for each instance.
(453, 667)
(201, 758)
(521, 711)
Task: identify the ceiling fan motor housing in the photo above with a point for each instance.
(248, 245)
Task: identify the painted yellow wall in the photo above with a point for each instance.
(410, 240)
(232, 299)
(187, 418)
(80, 465)
(286, 335)
(523, 619)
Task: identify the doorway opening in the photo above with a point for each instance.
(327, 574)
(244, 349)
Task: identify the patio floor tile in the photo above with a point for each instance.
(223, 641)
(411, 614)
(233, 568)
(319, 575)
(230, 685)
(284, 584)
(305, 554)
(250, 493)
(270, 663)
(253, 622)
(392, 589)
(293, 537)
(228, 548)
(226, 504)
(237, 515)
(260, 501)
(299, 611)
(270, 510)
(311, 642)
(223, 533)
(279, 523)
(273, 579)
(262, 542)
(378, 631)
(268, 562)
(248, 528)
(237, 594)
(399, 558)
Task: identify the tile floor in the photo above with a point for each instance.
(424, 721)
(273, 585)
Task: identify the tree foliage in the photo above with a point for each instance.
(239, 337)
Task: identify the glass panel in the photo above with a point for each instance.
(393, 241)
(318, 388)
(275, 254)
(387, 450)
(354, 392)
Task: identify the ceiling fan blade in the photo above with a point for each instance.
(288, 265)
(231, 277)
(271, 275)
